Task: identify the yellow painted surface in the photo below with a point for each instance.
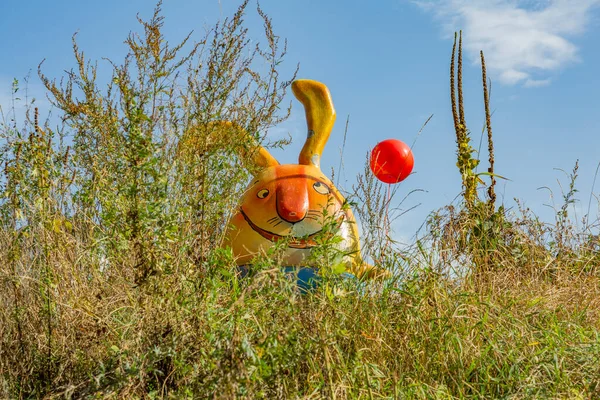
(291, 202)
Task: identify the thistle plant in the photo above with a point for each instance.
(477, 226)
(466, 163)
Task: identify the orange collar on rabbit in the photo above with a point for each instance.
(296, 243)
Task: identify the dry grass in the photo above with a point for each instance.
(112, 284)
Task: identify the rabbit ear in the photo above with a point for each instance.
(320, 117)
(260, 157)
(219, 133)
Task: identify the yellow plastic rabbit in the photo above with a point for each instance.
(288, 201)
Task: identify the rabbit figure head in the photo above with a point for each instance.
(296, 202)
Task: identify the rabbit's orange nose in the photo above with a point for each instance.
(292, 201)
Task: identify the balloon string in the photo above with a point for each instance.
(387, 210)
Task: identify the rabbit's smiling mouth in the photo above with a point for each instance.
(305, 242)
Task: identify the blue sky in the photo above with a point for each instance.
(386, 64)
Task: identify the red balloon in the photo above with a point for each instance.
(392, 161)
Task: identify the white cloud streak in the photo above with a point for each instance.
(524, 41)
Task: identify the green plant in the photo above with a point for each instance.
(112, 283)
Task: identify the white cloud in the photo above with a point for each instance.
(522, 40)
(537, 82)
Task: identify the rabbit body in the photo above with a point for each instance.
(297, 203)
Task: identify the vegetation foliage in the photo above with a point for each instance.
(113, 283)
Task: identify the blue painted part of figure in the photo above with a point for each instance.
(307, 278)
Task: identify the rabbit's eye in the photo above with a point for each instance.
(321, 188)
(262, 193)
